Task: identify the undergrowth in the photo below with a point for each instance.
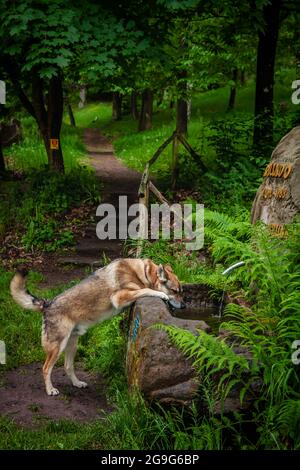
(35, 208)
(30, 152)
(266, 327)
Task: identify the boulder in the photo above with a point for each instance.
(159, 370)
(155, 366)
(278, 198)
(10, 133)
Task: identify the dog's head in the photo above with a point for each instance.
(168, 283)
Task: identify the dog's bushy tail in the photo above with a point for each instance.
(21, 296)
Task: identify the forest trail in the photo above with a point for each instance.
(23, 396)
(24, 399)
(115, 180)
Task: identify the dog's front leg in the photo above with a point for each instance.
(125, 297)
(70, 352)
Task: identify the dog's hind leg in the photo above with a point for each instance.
(70, 352)
(53, 349)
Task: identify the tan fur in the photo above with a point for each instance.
(98, 297)
(21, 296)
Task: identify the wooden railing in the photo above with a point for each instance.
(146, 185)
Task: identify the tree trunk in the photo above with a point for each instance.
(175, 169)
(266, 52)
(133, 105)
(71, 114)
(117, 106)
(145, 121)
(82, 97)
(232, 95)
(182, 101)
(55, 116)
(182, 116)
(49, 120)
(40, 112)
(243, 77)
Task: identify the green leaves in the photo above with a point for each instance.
(256, 360)
(45, 35)
(48, 36)
(212, 358)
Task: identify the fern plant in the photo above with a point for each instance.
(212, 358)
(270, 282)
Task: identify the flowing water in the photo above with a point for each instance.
(209, 314)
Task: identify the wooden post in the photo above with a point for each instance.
(157, 193)
(197, 158)
(143, 194)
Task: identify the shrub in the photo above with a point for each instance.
(36, 206)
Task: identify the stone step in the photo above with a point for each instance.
(88, 260)
(113, 198)
(81, 261)
(91, 235)
(96, 248)
(116, 180)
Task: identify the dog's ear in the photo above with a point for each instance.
(150, 272)
(161, 273)
(168, 268)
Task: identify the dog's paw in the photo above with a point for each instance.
(52, 392)
(164, 296)
(80, 384)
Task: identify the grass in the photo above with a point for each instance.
(133, 425)
(135, 148)
(22, 337)
(39, 209)
(30, 151)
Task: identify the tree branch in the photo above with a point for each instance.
(14, 77)
(38, 101)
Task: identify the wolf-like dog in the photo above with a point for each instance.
(98, 297)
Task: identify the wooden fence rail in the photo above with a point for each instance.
(146, 185)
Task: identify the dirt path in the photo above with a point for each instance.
(22, 394)
(117, 180)
(23, 397)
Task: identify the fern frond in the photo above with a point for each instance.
(289, 417)
(209, 355)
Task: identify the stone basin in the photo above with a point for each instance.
(154, 365)
(157, 368)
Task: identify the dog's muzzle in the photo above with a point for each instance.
(176, 304)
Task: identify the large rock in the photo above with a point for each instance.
(160, 371)
(10, 133)
(154, 365)
(278, 198)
